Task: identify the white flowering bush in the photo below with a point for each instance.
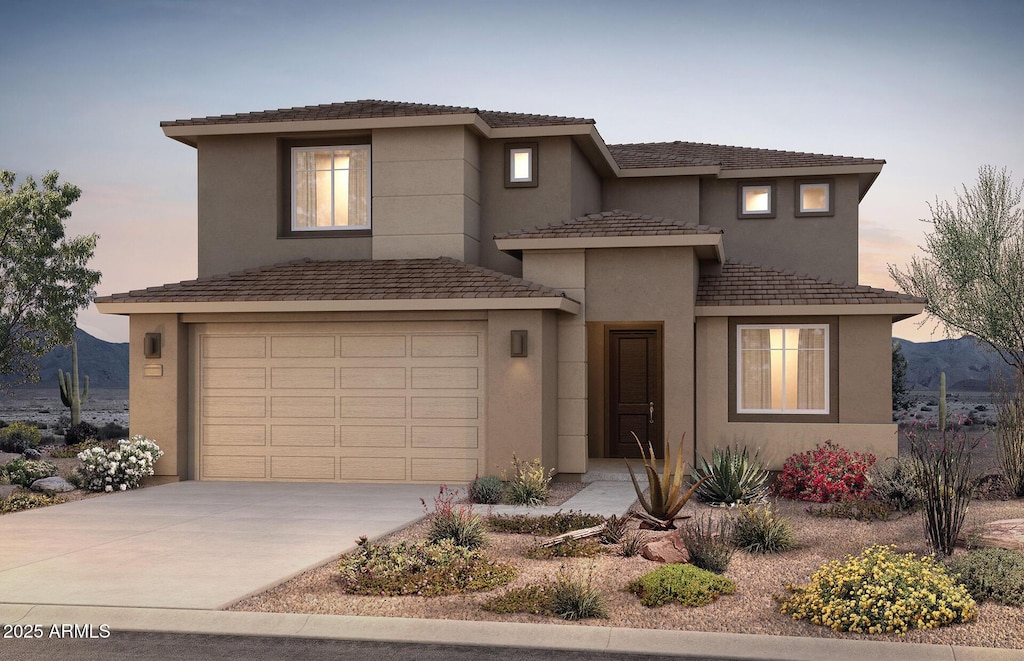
(119, 469)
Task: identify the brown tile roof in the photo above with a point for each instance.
(373, 108)
(610, 223)
(307, 280)
(749, 284)
(690, 154)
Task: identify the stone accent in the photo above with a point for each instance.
(52, 485)
(1004, 534)
(668, 548)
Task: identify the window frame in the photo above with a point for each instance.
(741, 187)
(532, 148)
(286, 178)
(798, 199)
(830, 413)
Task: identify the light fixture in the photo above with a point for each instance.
(151, 345)
(519, 344)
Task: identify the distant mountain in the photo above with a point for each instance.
(105, 363)
(968, 363)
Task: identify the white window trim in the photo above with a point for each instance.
(828, 197)
(512, 164)
(369, 189)
(767, 213)
(782, 411)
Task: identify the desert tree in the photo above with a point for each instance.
(900, 396)
(44, 279)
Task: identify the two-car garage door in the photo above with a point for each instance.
(401, 402)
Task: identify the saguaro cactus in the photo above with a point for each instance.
(70, 394)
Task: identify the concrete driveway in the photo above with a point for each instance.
(191, 544)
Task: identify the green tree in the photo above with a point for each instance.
(900, 400)
(972, 271)
(44, 280)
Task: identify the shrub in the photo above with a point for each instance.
(665, 487)
(614, 529)
(574, 596)
(111, 431)
(632, 544)
(826, 473)
(944, 462)
(895, 481)
(529, 483)
(419, 568)
(119, 469)
(708, 543)
(532, 599)
(996, 574)
(22, 500)
(546, 525)
(762, 530)
(486, 490)
(26, 471)
(79, 433)
(1009, 400)
(865, 511)
(69, 451)
(683, 584)
(457, 523)
(734, 477)
(881, 591)
(570, 548)
(19, 436)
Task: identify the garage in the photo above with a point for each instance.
(342, 402)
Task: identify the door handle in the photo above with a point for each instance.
(650, 412)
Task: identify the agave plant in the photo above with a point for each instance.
(667, 496)
(733, 477)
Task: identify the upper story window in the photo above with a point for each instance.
(521, 165)
(814, 198)
(756, 199)
(330, 188)
(782, 369)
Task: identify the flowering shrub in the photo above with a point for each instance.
(119, 469)
(457, 523)
(881, 591)
(26, 471)
(17, 502)
(826, 473)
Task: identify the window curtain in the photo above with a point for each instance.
(305, 190)
(756, 368)
(811, 370)
(358, 187)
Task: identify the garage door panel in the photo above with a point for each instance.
(431, 346)
(373, 346)
(235, 435)
(234, 407)
(372, 469)
(302, 346)
(457, 408)
(373, 436)
(302, 407)
(319, 378)
(442, 378)
(364, 378)
(303, 468)
(235, 377)
(234, 347)
(445, 437)
(373, 407)
(302, 436)
(443, 469)
(234, 467)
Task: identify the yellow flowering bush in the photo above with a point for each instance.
(881, 591)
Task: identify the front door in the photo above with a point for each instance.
(634, 391)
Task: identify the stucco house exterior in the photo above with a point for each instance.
(394, 291)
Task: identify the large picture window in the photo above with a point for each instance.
(330, 188)
(782, 368)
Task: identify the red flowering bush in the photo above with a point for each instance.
(826, 473)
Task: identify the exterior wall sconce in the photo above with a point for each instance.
(519, 344)
(151, 345)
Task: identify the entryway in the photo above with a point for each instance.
(635, 405)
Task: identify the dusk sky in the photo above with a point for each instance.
(935, 88)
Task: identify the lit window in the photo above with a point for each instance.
(814, 198)
(521, 165)
(782, 369)
(757, 200)
(330, 188)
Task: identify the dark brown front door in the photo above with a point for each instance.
(634, 391)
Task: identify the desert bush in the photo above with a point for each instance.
(69, 451)
(419, 568)
(23, 500)
(26, 471)
(946, 482)
(119, 469)
(570, 548)
(111, 431)
(486, 490)
(19, 436)
(682, 584)
(864, 511)
(1009, 401)
(881, 591)
(733, 477)
(528, 484)
(996, 574)
(708, 543)
(574, 596)
(81, 432)
(826, 473)
(546, 525)
(457, 523)
(762, 530)
(614, 529)
(632, 544)
(665, 486)
(533, 599)
(896, 481)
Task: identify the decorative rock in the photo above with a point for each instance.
(52, 485)
(7, 489)
(31, 453)
(668, 549)
(1004, 534)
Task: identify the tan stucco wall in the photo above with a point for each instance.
(670, 197)
(821, 246)
(159, 401)
(864, 396)
(645, 285)
(586, 185)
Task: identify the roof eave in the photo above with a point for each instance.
(583, 242)
(898, 311)
(804, 171)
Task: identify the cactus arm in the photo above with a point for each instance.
(942, 403)
(64, 381)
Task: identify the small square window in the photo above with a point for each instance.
(330, 188)
(521, 165)
(757, 200)
(814, 198)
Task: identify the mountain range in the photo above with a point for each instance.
(105, 363)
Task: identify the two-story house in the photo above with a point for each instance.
(405, 292)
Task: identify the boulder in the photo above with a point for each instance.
(52, 485)
(1004, 534)
(668, 548)
(7, 489)
(32, 453)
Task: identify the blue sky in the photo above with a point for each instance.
(935, 88)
